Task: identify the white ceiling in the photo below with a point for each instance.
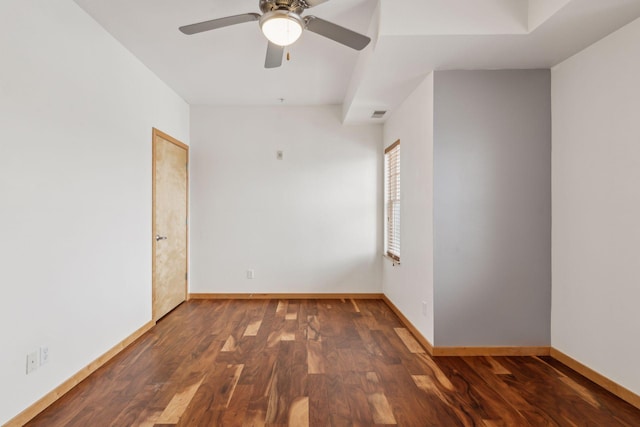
(411, 38)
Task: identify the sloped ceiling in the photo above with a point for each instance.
(410, 39)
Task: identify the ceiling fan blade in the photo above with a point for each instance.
(219, 23)
(313, 3)
(337, 33)
(274, 56)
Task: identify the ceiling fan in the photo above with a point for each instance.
(282, 24)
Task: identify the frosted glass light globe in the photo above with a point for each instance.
(281, 27)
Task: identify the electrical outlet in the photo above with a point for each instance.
(32, 362)
(44, 354)
(250, 274)
(425, 308)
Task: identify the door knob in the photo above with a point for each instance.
(159, 237)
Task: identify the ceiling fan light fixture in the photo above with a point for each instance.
(282, 27)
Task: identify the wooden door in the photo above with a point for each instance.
(170, 204)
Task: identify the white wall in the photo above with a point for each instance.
(310, 223)
(410, 283)
(596, 206)
(76, 112)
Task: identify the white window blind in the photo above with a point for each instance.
(392, 199)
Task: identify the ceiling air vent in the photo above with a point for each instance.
(378, 114)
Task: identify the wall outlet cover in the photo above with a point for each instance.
(32, 362)
(44, 355)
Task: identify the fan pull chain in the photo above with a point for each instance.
(288, 56)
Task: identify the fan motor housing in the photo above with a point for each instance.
(296, 6)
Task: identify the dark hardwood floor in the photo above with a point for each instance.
(320, 363)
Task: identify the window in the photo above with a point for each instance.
(392, 200)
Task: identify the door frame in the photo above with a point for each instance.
(155, 134)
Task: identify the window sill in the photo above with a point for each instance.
(393, 261)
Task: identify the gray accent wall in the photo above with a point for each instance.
(492, 208)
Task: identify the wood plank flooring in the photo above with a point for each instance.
(320, 363)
